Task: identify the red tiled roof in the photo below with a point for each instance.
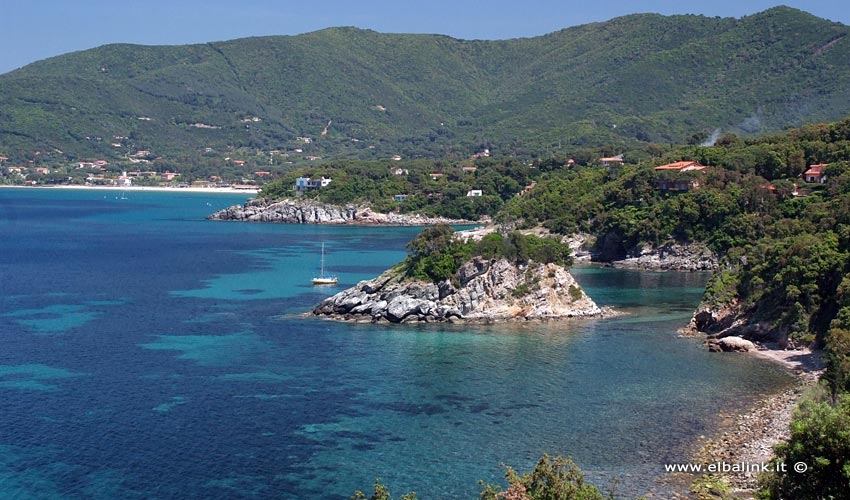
(816, 169)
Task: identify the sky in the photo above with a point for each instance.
(31, 30)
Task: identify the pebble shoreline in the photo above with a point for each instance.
(749, 437)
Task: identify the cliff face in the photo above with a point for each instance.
(485, 291)
(670, 257)
(307, 211)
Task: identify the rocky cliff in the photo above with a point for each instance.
(307, 211)
(670, 257)
(482, 291)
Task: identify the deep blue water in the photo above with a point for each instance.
(148, 353)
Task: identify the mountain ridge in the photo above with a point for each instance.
(636, 78)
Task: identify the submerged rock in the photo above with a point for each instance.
(483, 291)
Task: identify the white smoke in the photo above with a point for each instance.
(712, 138)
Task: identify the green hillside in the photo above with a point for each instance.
(639, 78)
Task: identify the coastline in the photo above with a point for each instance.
(228, 190)
(748, 437)
(310, 211)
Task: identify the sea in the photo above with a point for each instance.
(146, 352)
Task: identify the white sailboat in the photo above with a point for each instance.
(322, 278)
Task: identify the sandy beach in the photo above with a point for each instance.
(224, 190)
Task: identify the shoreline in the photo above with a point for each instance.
(749, 436)
(228, 190)
(606, 313)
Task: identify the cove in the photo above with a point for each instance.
(148, 352)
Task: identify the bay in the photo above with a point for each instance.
(146, 352)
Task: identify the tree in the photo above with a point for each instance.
(820, 439)
(552, 479)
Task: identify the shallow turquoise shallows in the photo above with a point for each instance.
(148, 353)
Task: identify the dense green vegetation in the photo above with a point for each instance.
(437, 253)
(785, 243)
(446, 194)
(620, 84)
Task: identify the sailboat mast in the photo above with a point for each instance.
(322, 273)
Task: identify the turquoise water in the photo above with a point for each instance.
(147, 352)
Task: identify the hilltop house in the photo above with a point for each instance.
(474, 192)
(815, 173)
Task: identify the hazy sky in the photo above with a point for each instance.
(35, 29)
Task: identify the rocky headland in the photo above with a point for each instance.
(308, 211)
(482, 291)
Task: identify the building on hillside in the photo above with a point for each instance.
(528, 188)
(303, 184)
(482, 154)
(168, 176)
(469, 170)
(400, 171)
(435, 176)
(400, 197)
(474, 192)
(678, 176)
(611, 160)
(815, 175)
(681, 166)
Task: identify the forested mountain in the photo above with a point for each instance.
(639, 78)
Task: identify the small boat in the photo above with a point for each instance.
(322, 278)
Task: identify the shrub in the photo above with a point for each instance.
(556, 479)
(820, 438)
